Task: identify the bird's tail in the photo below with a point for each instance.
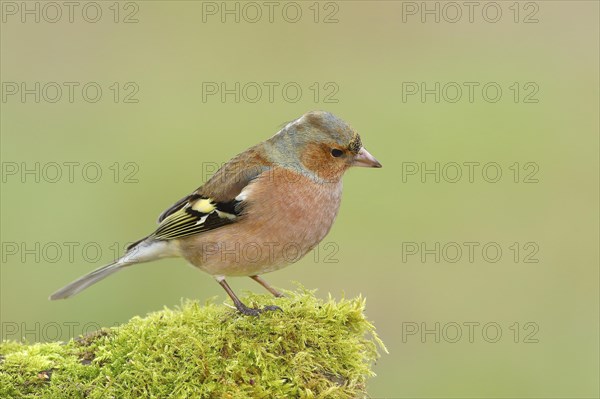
(85, 281)
(139, 252)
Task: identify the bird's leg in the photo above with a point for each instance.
(262, 282)
(243, 309)
(236, 301)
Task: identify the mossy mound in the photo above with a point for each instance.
(313, 349)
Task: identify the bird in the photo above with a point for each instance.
(264, 209)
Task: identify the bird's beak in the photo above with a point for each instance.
(365, 160)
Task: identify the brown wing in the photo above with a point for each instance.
(214, 204)
(228, 181)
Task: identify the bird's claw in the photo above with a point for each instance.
(246, 311)
(256, 312)
(271, 308)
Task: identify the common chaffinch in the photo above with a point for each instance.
(264, 209)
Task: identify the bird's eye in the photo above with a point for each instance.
(336, 153)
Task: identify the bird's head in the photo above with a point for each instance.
(323, 144)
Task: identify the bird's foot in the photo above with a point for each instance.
(245, 310)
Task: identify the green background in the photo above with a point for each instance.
(173, 138)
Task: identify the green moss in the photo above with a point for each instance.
(313, 349)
